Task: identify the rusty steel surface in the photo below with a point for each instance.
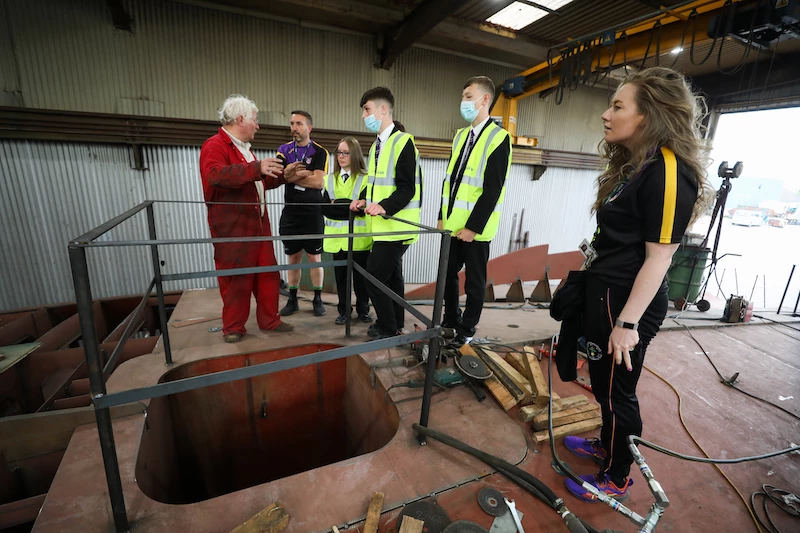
(527, 264)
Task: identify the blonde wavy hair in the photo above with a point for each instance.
(673, 117)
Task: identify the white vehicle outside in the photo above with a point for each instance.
(747, 218)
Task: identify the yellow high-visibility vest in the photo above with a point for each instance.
(471, 187)
(350, 189)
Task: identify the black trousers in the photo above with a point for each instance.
(613, 386)
(474, 256)
(359, 283)
(386, 264)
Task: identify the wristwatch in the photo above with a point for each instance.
(627, 325)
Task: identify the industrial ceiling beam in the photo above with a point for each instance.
(783, 71)
(119, 17)
(540, 7)
(671, 19)
(419, 22)
(671, 35)
(376, 19)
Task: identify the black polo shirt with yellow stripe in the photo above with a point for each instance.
(654, 206)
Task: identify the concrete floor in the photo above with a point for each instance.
(724, 422)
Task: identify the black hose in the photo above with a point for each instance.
(584, 526)
(562, 465)
(542, 491)
(491, 460)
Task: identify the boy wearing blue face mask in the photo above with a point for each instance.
(394, 188)
(472, 197)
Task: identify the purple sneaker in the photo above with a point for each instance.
(603, 484)
(588, 448)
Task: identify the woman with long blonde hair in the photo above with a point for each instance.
(345, 184)
(654, 185)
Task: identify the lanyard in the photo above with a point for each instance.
(297, 157)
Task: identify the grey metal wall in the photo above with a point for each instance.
(575, 125)
(52, 192)
(182, 61)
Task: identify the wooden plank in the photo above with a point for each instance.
(270, 520)
(192, 321)
(518, 379)
(528, 365)
(539, 384)
(411, 525)
(506, 381)
(527, 413)
(570, 429)
(374, 513)
(567, 416)
(21, 511)
(499, 393)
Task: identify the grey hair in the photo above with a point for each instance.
(235, 106)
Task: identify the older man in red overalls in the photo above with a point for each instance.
(231, 173)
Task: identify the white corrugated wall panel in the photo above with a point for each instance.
(174, 174)
(557, 208)
(51, 193)
(420, 261)
(575, 125)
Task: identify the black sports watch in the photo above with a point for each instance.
(627, 325)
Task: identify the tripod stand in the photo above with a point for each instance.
(726, 173)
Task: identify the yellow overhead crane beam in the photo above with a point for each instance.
(637, 39)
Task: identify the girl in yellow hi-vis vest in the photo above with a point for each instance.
(346, 183)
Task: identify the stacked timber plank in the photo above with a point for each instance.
(518, 380)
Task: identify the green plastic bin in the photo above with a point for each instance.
(686, 274)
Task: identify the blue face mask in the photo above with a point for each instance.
(372, 123)
(469, 111)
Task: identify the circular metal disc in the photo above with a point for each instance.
(473, 367)
(464, 526)
(436, 520)
(492, 502)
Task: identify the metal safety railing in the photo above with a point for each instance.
(98, 373)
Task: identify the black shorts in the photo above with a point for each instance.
(311, 246)
(302, 220)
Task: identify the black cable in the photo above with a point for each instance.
(408, 384)
(693, 16)
(677, 455)
(649, 43)
(551, 499)
(769, 69)
(731, 382)
(767, 493)
(776, 330)
(680, 46)
(561, 464)
(775, 321)
(748, 44)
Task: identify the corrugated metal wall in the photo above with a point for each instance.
(51, 192)
(182, 61)
(575, 125)
(54, 192)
